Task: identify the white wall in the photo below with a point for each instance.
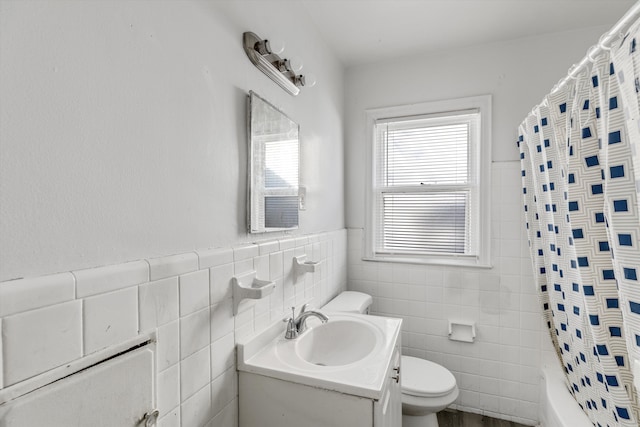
(518, 74)
(122, 128)
(499, 374)
(123, 138)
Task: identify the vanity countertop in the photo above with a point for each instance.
(270, 354)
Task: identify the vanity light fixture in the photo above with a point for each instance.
(263, 53)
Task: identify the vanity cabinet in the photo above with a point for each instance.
(388, 410)
(267, 401)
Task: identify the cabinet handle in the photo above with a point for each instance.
(397, 369)
(396, 377)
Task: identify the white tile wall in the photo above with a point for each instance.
(94, 281)
(194, 291)
(1, 362)
(224, 388)
(158, 303)
(173, 265)
(196, 410)
(194, 332)
(195, 373)
(222, 320)
(222, 355)
(38, 340)
(168, 348)
(172, 419)
(28, 294)
(498, 374)
(228, 417)
(185, 298)
(220, 282)
(213, 257)
(168, 390)
(109, 319)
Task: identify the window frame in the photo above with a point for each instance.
(482, 164)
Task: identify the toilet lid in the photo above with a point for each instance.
(423, 378)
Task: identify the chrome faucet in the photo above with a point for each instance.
(297, 325)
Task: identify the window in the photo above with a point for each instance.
(428, 198)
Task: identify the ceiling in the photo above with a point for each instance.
(365, 31)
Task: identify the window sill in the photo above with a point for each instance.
(471, 262)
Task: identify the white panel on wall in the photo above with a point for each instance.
(118, 392)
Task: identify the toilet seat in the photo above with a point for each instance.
(423, 378)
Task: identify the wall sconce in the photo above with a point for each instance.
(263, 53)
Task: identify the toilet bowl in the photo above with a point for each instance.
(426, 386)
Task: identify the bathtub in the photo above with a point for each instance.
(557, 407)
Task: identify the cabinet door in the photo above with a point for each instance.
(270, 402)
(388, 411)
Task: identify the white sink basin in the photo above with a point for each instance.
(337, 342)
(350, 353)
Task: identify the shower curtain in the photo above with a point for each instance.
(580, 157)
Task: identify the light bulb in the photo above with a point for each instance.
(309, 80)
(270, 46)
(295, 64)
(275, 45)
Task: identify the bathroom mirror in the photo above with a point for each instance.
(273, 168)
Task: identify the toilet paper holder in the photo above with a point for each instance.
(462, 331)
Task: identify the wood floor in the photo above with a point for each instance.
(449, 418)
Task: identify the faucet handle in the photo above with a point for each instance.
(293, 315)
(292, 330)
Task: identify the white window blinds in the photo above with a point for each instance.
(426, 184)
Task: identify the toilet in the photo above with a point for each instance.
(426, 386)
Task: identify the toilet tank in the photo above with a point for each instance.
(350, 302)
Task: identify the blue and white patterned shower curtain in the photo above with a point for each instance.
(580, 156)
